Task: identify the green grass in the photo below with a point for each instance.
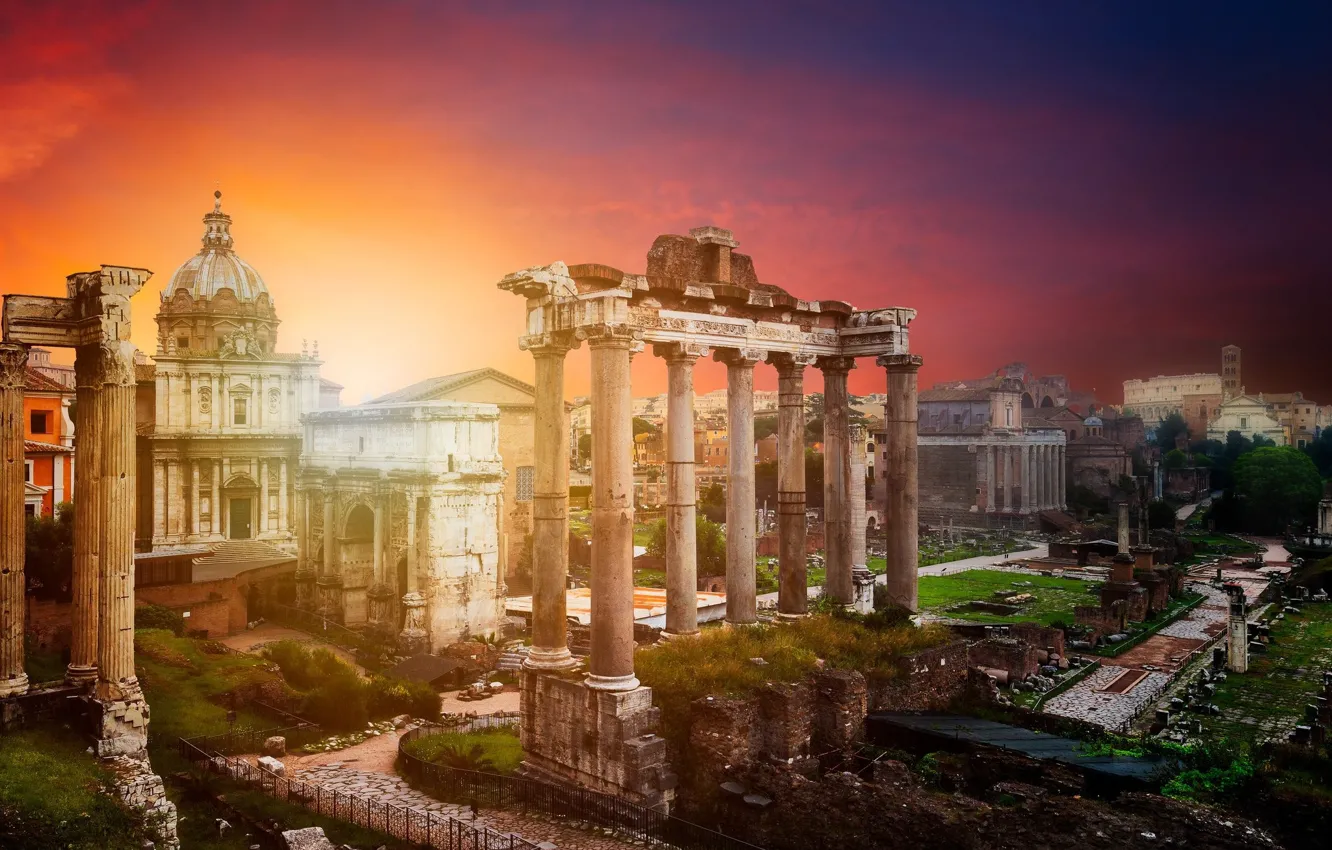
(718, 662)
(1054, 600)
(52, 796)
(499, 748)
(1268, 700)
(1212, 542)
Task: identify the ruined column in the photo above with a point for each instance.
(862, 580)
(1123, 527)
(85, 583)
(611, 665)
(1047, 477)
(194, 497)
(550, 508)
(902, 506)
(305, 570)
(837, 477)
(1063, 479)
(1006, 455)
(990, 472)
(681, 493)
(13, 366)
(412, 639)
(792, 592)
(116, 681)
(741, 577)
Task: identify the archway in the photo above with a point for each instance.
(1047, 402)
(241, 497)
(1027, 403)
(360, 525)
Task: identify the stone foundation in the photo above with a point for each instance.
(602, 740)
(142, 790)
(120, 727)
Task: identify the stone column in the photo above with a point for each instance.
(159, 487)
(681, 493)
(116, 681)
(792, 593)
(1027, 479)
(902, 507)
(263, 496)
(215, 506)
(1047, 477)
(86, 580)
(837, 477)
(379, 540)
(13, 365)
(305, 571)
(194, 498)
(329, 583)
(380, 595)
(283, 497)
(1006, 454)
(550, 508)
(862, 581)
(1124, 527)
(741, 576)
(990, 472)
(611, 666)
(1063, 479)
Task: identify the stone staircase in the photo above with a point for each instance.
(244, 550)
(511, 659)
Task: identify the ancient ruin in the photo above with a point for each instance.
(698, 297)
(398, 520)
(94, 320)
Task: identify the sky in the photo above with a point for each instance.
(1103, 191)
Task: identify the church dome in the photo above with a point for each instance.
(1093, 422)
(216, 266)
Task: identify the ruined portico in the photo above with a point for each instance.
(698, 297)
(94, 320)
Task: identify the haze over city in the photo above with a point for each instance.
(1107, 192)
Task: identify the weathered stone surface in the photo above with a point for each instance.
(272, 765)
(310, 838)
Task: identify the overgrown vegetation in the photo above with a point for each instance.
(148, 615)
(710, 544)
(48, 560)
(720, 662)
(494, 750)
(338, 698)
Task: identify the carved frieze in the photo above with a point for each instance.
(274, 400)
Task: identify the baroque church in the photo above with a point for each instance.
(219, 410)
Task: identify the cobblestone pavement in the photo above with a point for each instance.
(1087, 701)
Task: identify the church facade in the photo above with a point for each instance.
(220, 408)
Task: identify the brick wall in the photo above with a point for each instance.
(947, 479)
(1018, 658)
(929, 680)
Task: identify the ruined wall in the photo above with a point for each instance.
(947, 479)
(1102, 620)
(929, 680)
(1020, 659)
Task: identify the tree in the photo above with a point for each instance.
(765, 425)
(712, 503)
(1320, 451)
(1160, 515)
(1259, 441)
(1169, 429)
(642, 426)
(710, 544)
(584, 447)
(1278, 486)
(49, 554)
(1175, 459)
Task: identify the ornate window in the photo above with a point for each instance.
(526, 483)
(238, 411)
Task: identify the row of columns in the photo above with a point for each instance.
(102, 616)
(170, 516)
(611, 663)
(1034, 470)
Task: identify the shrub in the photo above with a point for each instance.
(150, 616)
(488, 750)
(338, 703)
(391, 697)
(305, 668)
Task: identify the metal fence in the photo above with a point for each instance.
(479, 722)
(557, 802)
(417, 826)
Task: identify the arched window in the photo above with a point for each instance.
(360, 524)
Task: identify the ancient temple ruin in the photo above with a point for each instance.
(698, 298)
(94, 320)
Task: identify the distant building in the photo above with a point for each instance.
(1249, 416)
(1232, 383)
(1156, 398)
(1097, 462)
(48, 440)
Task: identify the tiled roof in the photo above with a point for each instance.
(954, 394)
(32, 447)
(145, 372)
(431, 387)
(36, 382)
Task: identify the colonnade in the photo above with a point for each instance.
(102, 615)
(611, 666)
(1021, 478)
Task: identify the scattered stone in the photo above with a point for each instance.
(276, 746)
(401, 720)
(310, 838)
(273, 766)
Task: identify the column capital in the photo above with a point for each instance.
(13, 366)
(900, 362)
(744, 357)
(836, 365)
(788, 363)
(555, 344)
(680, 352)
(610, 336)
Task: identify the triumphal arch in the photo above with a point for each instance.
(698, 298)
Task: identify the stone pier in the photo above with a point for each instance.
(902, 506)
(697, 296)
(13, 362)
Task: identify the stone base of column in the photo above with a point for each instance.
(602, 740)
(670, 636)
(380, 597)
(611, 683)
(119, 721)
(783, 617)
(14, 685)
(550, 659)
(413, 640)
(862, 590)
(76, 674)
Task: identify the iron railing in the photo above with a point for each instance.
(556, 802)
(415, 826)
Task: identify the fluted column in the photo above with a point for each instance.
(741, 575)
(85, 584)
(378, 562)
(115, 657)
(13, 363)
(792, 590)
(856, 500)
(1027, 479)
(837, 477)
(194, 497)
(990, 472)
(1047, 477)
(902, 507)
(681, 495)
(611, 666)
(550, 507)
(215, 505)
(1006, 453)
(283, 497)
(159, 485)
(263, 496)
(305, 570)
(1063, 478)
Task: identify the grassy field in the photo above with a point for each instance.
(1212, 542)
(1268, 701)
(1054, 600)
(489, 750)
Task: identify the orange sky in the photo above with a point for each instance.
(384, 169)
